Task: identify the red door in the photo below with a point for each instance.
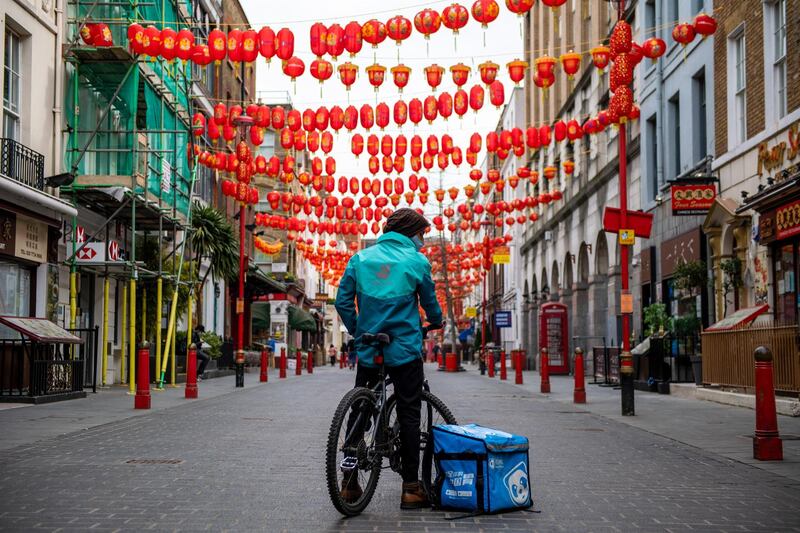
(553, 335)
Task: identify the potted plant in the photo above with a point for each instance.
(732, 278)
(655, 319)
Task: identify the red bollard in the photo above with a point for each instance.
(579, 396)
(310, 362)
(544, 372)
(298, 365)
(190, 390)
(503, 370)
(518, 368)
(282, 364)
(142, 398)
(264, 367)
(767, 444)
(490, 363)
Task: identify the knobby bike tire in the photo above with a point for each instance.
(338, 424)
(430, 402)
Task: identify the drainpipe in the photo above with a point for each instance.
(58, 90)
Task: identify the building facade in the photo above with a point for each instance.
(566, 255)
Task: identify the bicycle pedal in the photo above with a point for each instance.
(348, 464)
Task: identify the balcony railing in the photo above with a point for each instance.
(22, 164)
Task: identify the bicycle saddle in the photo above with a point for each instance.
(380, 339)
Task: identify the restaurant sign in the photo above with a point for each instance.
(694, 199)
(787, 220)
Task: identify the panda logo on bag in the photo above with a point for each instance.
(516, 481)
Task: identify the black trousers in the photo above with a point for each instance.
(203, 358)
(407, 380)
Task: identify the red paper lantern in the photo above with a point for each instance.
(654, 48)
(278, 117)
(135, 35)
(382, 115)
(400, 76)
(350, 118)
(400, 112)
(374, 32)
(321, 70)
(460, 102)
(455, 17)
(151, 41)
(335, 41)
(705, 25)
(485, 11)
(313, 141)
(347, 74)
(308, 119)
(285, 44)
(415, 111)
(497, 95)
(367, 116)
(427, 22)
(398, 28)
(357, 144)
(217, 45)
(571, 63)
(636, 54)
(249, 46)
(621, 72)
(683, 33)
(185, 46)
(430, 109)
(445, 105)
(492, 141)
(621, 38)
(319, 39)
(201, 55)
(545, 135)
(353, 40)
(235, 46)
(326, 142)
(516, 70)
(520, 7)
(168, 41)
(294, 67)
(376, 74)
(532, 137)
(488, 71)
(293, 119)
(433, 75)
(460, 73)
(601, 56)
(476, 97)
(336, 118)
(321, 118)
(400, 145)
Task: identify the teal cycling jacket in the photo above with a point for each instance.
(389, 281)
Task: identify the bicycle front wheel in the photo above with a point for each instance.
(352, 464)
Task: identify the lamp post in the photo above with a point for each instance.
(243, 122)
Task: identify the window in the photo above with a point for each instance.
(15, 293)
(674, 11)
(737, 84)
(11, 85)
(778, 36)
(649, 16)
(701, 127)
(697, 6)
(674, 109)
(651, 131)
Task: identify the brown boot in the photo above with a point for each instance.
(351, 491)
(414, 496)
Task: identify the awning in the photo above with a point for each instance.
(300, 320)
(260, 313)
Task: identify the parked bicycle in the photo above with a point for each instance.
(365, 430)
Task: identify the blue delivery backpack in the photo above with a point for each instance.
(480, 470)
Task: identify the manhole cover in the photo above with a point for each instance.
(154, 461)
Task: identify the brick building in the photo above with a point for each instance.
(752, 223)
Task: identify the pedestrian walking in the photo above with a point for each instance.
(332, 355)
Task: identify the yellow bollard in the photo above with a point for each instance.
(132, 337)
(169, 343)
(104, 351)
(144, 314)
(122, 352)
(159, 305)
(73, 306)
(172, 358)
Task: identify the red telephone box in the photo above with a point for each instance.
(554, 335)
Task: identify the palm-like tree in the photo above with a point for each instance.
(213, 238)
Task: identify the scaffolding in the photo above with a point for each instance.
(130, 148)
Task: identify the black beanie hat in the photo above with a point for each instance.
(406, 221)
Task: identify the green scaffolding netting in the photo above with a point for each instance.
(146, 129)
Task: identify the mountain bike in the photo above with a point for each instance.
(365, 430)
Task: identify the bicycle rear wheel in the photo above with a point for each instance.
(352, 464)
(433, 412)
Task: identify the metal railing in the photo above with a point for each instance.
(21, 163)
(728, 356)
(29, 369)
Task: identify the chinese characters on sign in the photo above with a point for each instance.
(692, 199)
(31, 239)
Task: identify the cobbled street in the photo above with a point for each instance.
(252, 460)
